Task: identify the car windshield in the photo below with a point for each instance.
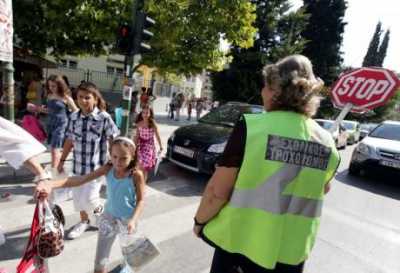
(349, 125)
(387, 131)
(325, 124)
(228, 115)
(368, 126)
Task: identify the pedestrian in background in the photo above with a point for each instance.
(189, 104)
(125, 196)
(180, 99)
(59, 104)
(172, 106)
(144, 98)
(134, 103)
(152, 97)
(261, 208)
(88, 133)
(199, 107)
(146, 131)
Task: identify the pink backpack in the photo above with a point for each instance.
(32, 125)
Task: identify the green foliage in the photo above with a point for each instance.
(383, 49)
(324, 33)
(279, 35)
(371, 58)
(72, 27)
(387, 111)
(188, 33)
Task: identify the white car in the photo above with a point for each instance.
(379, 151)
(353, 131)
(340, 134)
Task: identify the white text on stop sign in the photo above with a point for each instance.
(362, 88)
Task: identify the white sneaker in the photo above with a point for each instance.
(78, 230)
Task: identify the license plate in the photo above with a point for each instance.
(390, 164)
(183, 151)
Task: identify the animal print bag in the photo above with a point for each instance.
(51, 234)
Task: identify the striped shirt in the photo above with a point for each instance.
(89, 135)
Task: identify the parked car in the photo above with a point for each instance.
(340, 135)
(353, 131)
(197, 147)
(365, 128)
(380, 150)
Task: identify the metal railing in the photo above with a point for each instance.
(112, 82)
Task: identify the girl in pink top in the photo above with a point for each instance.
(146, 131)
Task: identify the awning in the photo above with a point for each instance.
(26, 56)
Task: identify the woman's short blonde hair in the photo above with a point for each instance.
(294, 85)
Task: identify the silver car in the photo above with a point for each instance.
(379, 151)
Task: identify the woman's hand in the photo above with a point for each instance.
(131, 226)
(42, 190)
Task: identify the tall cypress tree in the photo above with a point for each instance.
(279, 34)
(371, 58)
(324, 33)
(383, 49)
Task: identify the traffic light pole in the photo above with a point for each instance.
(129, 80)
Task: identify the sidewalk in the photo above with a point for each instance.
(166, 127)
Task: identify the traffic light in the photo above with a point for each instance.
(142, 35)
(124, 39)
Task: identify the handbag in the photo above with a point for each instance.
(31, 262)
(51, 234)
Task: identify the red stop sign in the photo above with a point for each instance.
(365, 88)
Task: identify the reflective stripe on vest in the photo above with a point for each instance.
(265, 196)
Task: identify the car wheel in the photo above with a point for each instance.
(354, 170)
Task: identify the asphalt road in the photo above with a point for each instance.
(360, 227)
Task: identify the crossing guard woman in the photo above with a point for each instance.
(261, 208)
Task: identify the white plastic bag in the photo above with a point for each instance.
(61, 194)
(137, 249)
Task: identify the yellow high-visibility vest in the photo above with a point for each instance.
(274, 211)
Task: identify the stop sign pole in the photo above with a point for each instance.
(346, 109)
(363, 89)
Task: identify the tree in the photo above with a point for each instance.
(383, 49)
(371, 58)
(187, 33)
(72, 27)
(279, 34)
(324, 34)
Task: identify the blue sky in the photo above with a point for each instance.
(362, 17)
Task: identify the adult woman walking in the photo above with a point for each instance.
(59, 103)
(262, 206)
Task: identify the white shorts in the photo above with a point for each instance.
(87, 197)
(17, 145)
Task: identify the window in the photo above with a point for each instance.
(63, 63)
(110, 69)
(73, 64)
(120, 71)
